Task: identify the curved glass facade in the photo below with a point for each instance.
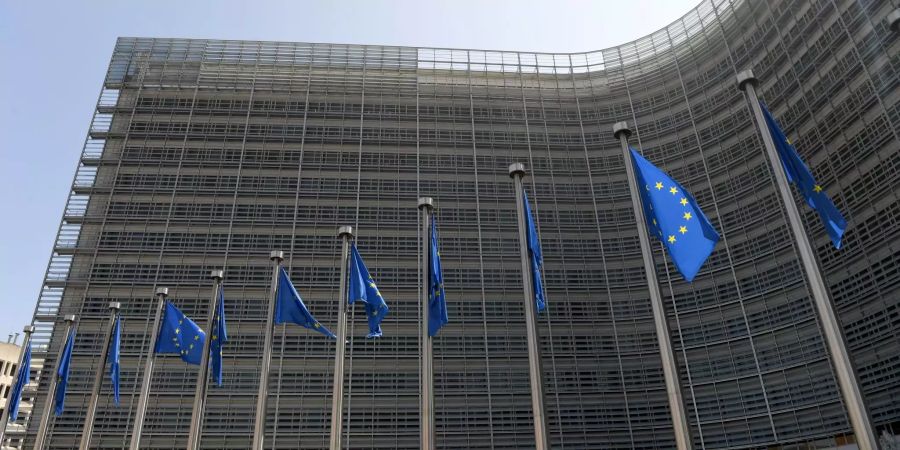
(205, 154)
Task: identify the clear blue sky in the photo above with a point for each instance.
(55, 56)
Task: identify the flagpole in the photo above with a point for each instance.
(51, 391)
(98, 379)
(203, 372)
(517, 172)
(337, 396)
(831, 326)
(667, 355)
(426, 368)
(262, 395)
(4, 417)
(161, 294)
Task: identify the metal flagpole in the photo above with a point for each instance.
(161, 294)
(98, 379)
(262, 395)
(666, 353)
(426, 368)
(51, 392)
(203, 372)
(4, 417)
(337, 400)
(517, 172)
(831, 327)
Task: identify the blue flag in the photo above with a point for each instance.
(536, 257)
(437, 301)
(799, 174)
(674, 217)
(22, 378)
(180, 335)
(289, 307)
(363, 289)
(219, 338)
(113, 357)
(62, 372)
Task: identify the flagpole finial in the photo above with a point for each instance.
(426, 202)
(217, 274)
(345, 230)
(620, 128)
(164, 291)
(516, 169)
(28, 329)
(276, 255)
(746, 77)
(70, 318)
(115, 306)
(894, 20)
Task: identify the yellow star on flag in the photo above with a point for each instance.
(683, 201)
(671, 239)
(673, 190)
(817, 188)
(659, 185)
(687, 216)
(682, 229)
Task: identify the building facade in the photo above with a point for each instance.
(207, 154)
(9, 360)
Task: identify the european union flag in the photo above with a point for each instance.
(799, 174)
(219, 338)
(180, 335)
(363, 289)
(113, 357)
(437, 301)
(22, 378)
(674, 217)
(62, 372)
(289, 307)
(536, 257)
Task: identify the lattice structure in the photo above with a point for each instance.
(207, 154)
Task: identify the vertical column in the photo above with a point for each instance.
(517, 172)
(203, 372)
(666, 353)
(831, 327)
(51, 391)
(337, 396)
(426, 367)
(98, 379)
(262, 394)
(161, 294)
(4, 417)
